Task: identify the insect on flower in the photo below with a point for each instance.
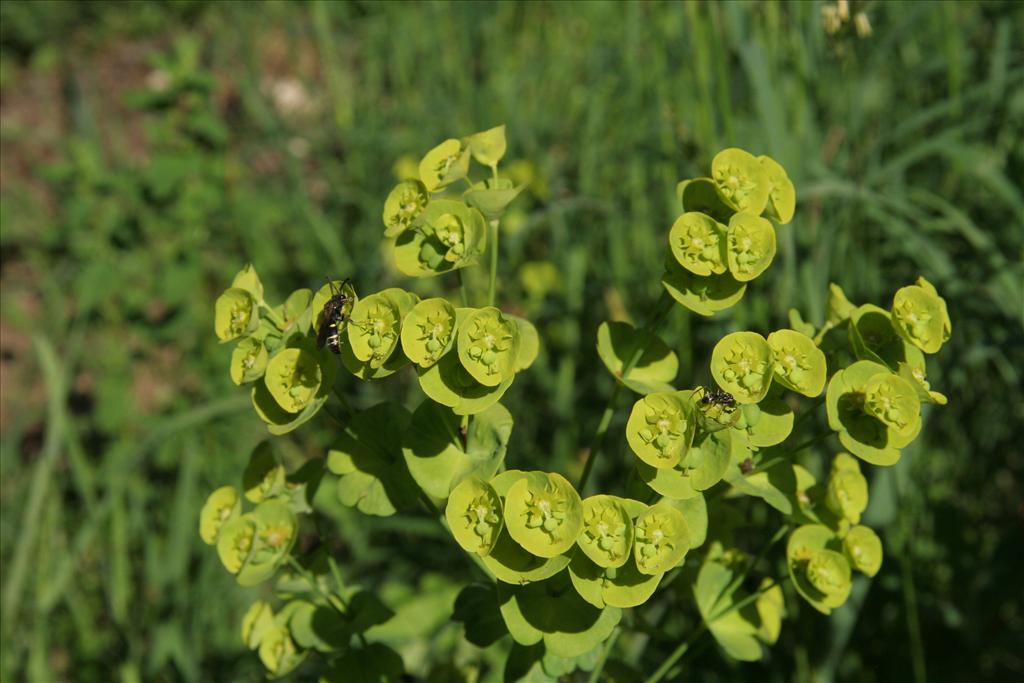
(334, 314)
(719, 398)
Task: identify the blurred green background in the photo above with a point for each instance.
(151, 149)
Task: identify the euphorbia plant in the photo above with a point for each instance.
(563, 562)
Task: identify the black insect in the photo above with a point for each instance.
(333, 316)
(717, 397)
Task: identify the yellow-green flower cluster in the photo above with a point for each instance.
(723, 240)
(252, 545)
(433, 228)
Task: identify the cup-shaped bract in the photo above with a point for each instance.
(248, 361)
(428, 331)
(235, 314)
(741, 180)
(861, 432)
(276, 531)
(820, 573)
(919, 315)
(742, 364)
(699, 194)
(444, 164)
(263, 476)
(749, 245)
(704, 295)
(698, 243)
(660, 428)
(451, 224)
(894, 401)
(829, 572)
(235, 542)
(374, 329)
(661, 539)
(863, 548)
(488, 146)
(847, 493)
(248, 280)
(782, 196)
(799, 364)
(543, 513)
(448, 235)
(278, 651)
(221, 506)
(474, 514)
(258, 620)
(403, 207)
(488, 346)
(607, 536)
(293, 377)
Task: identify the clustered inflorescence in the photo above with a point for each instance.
(532, 531)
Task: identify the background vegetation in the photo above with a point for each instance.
(151, 149)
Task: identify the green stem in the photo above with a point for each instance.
(807, 413)
(671, 660)
(661, 312)
(462, 288)
(595, 675)
(491, 287)
(740, 578)
(810, 442)
(273, 316)
(55, 382)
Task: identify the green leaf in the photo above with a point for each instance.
(476, 608)
(704, 466)
(432, 446)
(376, 663)
(702, 295)
(623, 587)
(488, 147)
(448, 383)
(368, 459)
(492, 197)
(529, 343)
(444, 164)
(653, 372)
(264, 476)
(782, 197)
(736, 632)
(552, 612)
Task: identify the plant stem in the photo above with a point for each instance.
(735, 583)
(273, 316)
(595, 675)
(671, 660)
(810, 442)
(661, 311)
(462, 288)
(494, 263)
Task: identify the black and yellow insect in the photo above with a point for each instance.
(334, 314)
